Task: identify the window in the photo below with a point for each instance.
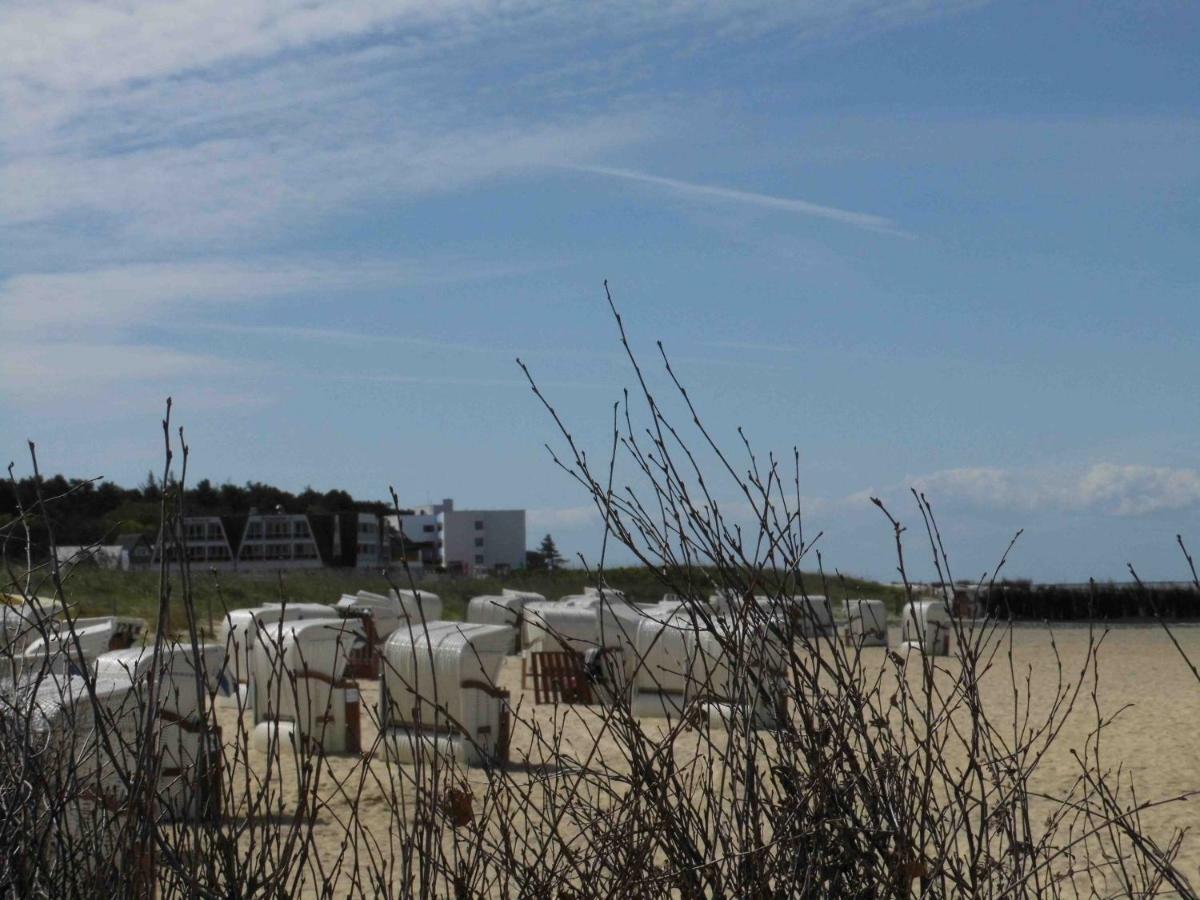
(479, 524)
(479, 559)
(300, 529)
(478, 542)
(428, 529)
(215, 533)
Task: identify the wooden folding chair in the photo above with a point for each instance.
(558, 677)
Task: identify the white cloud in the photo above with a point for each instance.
(194, 118)
(193, 131)
(1136, 490)
(1104, 488)
(84, 44)
(72, 371)
(119, 298)
(225, 191)
(81, 44)
(74, 334)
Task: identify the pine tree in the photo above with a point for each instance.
(551, 558)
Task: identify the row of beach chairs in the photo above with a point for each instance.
(294, 667)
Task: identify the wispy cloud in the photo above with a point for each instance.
(567, 517)
(342, 336)
(694, 189)
(83, 372)
(76, 334)
(119, 298)
(1111, 489)
(84, 44)
(143, 147)
(221, 192)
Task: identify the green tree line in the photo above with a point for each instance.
(83, 511)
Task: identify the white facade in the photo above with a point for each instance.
(473, 540)
(278, 541)
(205, 539)
(371, 537)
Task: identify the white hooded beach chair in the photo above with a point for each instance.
(81, 640)
(301, 697)
(811, 616)
(381, 614)
(88, 744)
(239, 633)
(681, 660)
(866, 623)
(506, 608)
(189, 743)
(926, 627)
(389, 611)
(566, 624)
(21, 622)
(439, 693)
(663, 666)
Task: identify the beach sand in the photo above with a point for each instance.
(1154, 738)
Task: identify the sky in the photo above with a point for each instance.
(943, 245)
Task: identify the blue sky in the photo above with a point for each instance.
(950, 245)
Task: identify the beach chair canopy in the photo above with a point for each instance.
(867, 620)
(297, 668)
(175, 661)
(441, 674)
(496, 609)
(89, 637)
(241, 626)
(389, 611)
(566, 624)
(927, 623)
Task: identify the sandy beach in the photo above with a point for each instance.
(1153, 738)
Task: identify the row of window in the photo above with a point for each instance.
(200, 531)
(201, 553)
(429, 529)
(279, 551)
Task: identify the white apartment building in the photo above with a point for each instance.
(278, 541)
(206, 541)
(469, 540)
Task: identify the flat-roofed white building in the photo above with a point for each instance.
(465, 539)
